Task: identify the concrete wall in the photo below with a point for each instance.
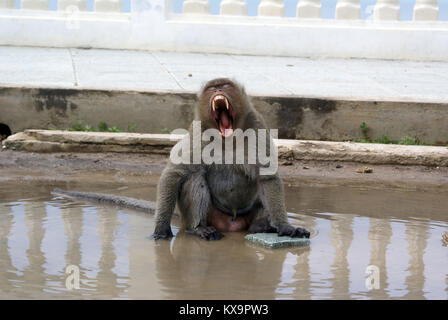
(295, 117)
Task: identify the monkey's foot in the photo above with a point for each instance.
(207, 233)
(289, 230)
(163, 233)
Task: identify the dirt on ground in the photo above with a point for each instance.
(15, 165)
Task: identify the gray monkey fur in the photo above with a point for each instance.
(195, 187)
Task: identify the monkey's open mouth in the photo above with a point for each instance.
(223, 114)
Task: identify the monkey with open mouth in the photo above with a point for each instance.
(216, 198)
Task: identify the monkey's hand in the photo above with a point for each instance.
(163, 232)
(288, 230)
(207, 233)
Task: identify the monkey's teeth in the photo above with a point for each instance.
(227, 104)
(213, 105)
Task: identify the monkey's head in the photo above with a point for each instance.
(222, 104)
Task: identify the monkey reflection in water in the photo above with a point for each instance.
(219, 197)
(190, 268)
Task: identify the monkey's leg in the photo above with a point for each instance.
(194, 204)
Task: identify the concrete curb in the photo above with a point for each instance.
(295, 117)
(69, 141)
(363, 152)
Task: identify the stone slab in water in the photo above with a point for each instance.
(273, 240)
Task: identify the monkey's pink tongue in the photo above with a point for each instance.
(225, 121)
(225, 125)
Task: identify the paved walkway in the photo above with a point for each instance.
(269, 76)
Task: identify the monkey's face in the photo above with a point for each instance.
(220, 101)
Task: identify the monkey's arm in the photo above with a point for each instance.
(272, 198)
(167, 192)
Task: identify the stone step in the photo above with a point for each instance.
(288, 150)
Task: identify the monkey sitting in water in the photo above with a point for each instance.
(215, 198)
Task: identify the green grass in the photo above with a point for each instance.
(407, 140)
(364, 129)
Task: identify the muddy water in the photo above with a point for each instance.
(397, 232)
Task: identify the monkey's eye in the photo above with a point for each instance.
(226, 85)
(212, 88)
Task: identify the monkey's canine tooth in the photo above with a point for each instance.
(227, 103)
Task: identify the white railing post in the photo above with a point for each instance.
(274, 8)
(233, 7)
(108, 5)
(426, 10)
(309, 9)
(7, 4)
(387, 10)
(348, 9)
(35, 4)
(196, 6)
(64, 4)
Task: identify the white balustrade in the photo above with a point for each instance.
(108, 5)
(426, 10)
(35, 4)
(348, 9)
(196, 6)
(63, 5)
(387, 10)
(309, 9)
(233, 7)
(274, 8)
(152, 25)
(7, 4)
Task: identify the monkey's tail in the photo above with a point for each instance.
(141, 205)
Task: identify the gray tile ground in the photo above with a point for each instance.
(36, 66)
(262, 75)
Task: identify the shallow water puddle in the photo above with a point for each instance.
(396, 233)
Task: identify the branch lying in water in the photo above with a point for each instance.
(141, 205)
